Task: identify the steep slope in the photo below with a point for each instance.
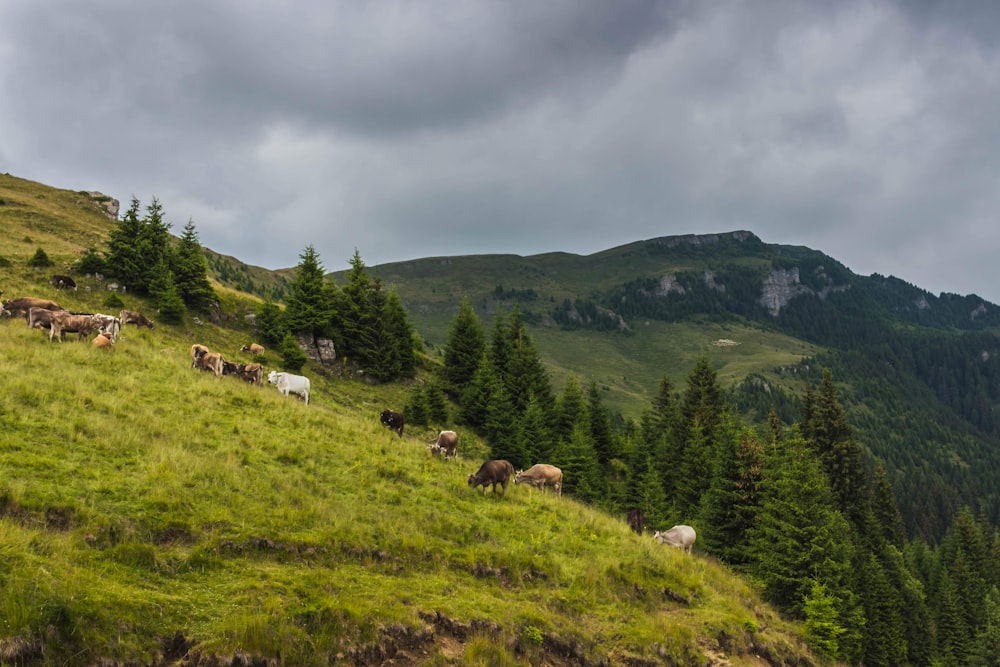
(151, 513)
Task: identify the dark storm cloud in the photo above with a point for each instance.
(403, 129)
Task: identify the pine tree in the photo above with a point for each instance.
(401, 333)
(985, 649)
(475, 403)
(600, 426)
(701, 409)
(292, 356)
(415, 411)
(826, 428)
(463, 350)
(270, 323)
(799, 537)
(307, 309)
(578, 460)
(524, 374)
(730, 505)
(125, 261)
(437, 407)
(501, 428)
(39, 260)
(570, 409)
(191, 270)
(356, 312)
(535, 433)
(823, 628)
(165, 294)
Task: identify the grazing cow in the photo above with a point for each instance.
(104, 341)
(109, 324)
(40, 318)
(447, 443)
(20, 307)
(196, 351)
(288, 383)
(211, 361)
(493, 472)
(64, 321)
(541, 475)
(253, 348)
(63, 281)
(637, 520)
(230, 367)
(393, 420)
(138, 319)
(252, 373)
(679, 536)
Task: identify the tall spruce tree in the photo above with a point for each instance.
(401, 333)
(124, 252)
(828, 432)
(570, 409)
(356, 314)
(307, 309)
(463, 350)
(191, 270)
(730, 506)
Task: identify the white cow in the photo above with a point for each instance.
(678, 536)
(288, 383)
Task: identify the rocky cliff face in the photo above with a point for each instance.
(109, 205)
(783, 285)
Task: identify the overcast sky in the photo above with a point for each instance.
(404, 129)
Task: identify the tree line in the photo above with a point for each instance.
(798, 507)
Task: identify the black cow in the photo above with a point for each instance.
(393, 420)
(637, 520)
(63, 281)
(493, 472)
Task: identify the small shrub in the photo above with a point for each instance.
(533, 635)
(114, 302)
(4, 262)
(91, 262)
(40, 259)
(292, 356)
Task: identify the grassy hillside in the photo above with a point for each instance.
(148, 510)
(63, 222)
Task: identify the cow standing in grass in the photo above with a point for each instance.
(492, 473)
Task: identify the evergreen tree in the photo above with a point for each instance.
(191, 270)
(437, 407)
(381, 350)
(732, 501)
(415, 411)
(91, 262)
(39, 260)
(826, 429)
(125, 260)
(165, 294)
(524, 374)
(701, 409)
(823, 628)
(307, 309)
(401, 333)
(799, 536)
(270, 323)
(292, 356)
(475, 403)
(985, 649)
(578, 461)
(356, 312)
(570, 410)
(463, 350)
(601, 435)
(535, 433)
(501, 428)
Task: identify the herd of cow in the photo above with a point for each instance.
(46, 314)
(498, 472)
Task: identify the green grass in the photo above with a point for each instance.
(142, 498)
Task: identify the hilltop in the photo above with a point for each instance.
(153, 514)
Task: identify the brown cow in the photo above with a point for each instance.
(40, 318)
(196, 351)
(493, 472)
(393, 420)
(64, 321)
(138, 319)
(447, 443)
(253, 348)
(252, 373)
(541, 475)
(20, 307)
(103, 340)
(211, 361)
(637, 520)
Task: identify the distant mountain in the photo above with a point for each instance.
(920, 373)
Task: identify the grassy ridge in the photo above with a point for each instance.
(141, 499)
